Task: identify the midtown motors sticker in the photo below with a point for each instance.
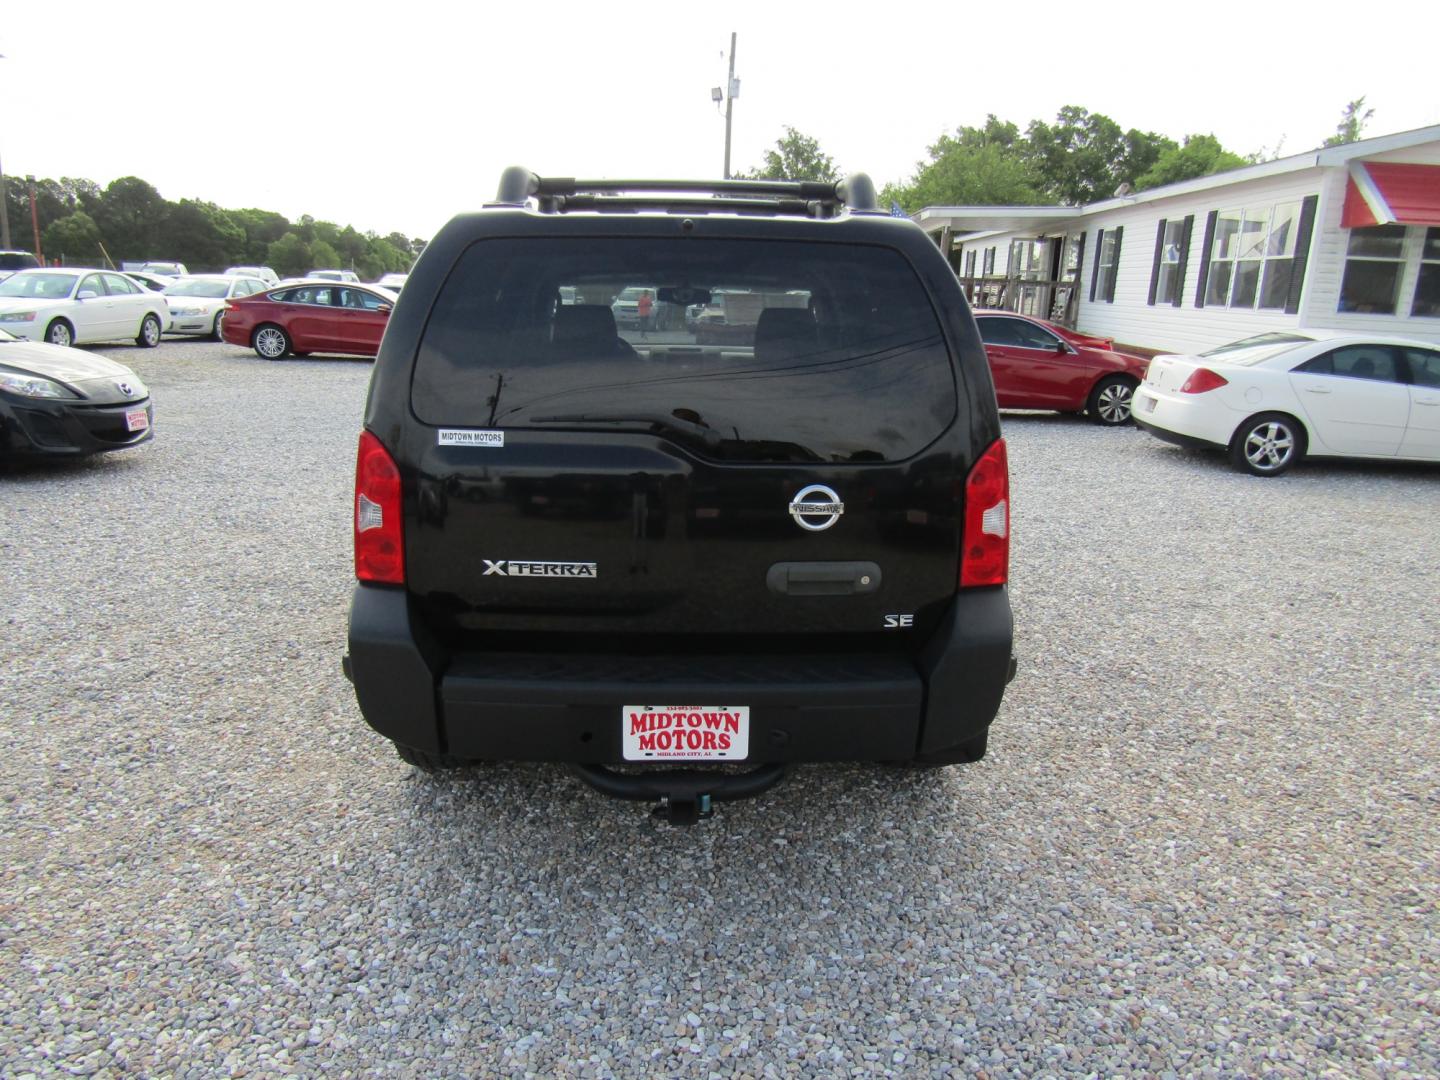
(471, 437)
(686, 732)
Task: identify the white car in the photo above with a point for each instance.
(153, 282)
(333, 275)
(393, 282)
(64, 306)
(1273, 399)
(264, 273)
(197, 303)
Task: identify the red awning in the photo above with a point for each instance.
(1386, 193)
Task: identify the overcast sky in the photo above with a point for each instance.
(393, 116)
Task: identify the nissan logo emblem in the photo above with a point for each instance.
(816, 507)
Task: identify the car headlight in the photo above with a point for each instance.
(33, 386)
(18, 316)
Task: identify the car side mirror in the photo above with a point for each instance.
(86, 294)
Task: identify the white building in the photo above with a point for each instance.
(1342, 238)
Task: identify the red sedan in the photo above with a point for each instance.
(312, 316)
(1039, 365)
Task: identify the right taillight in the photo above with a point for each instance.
(379, 536)
(1202, 379)
(985, 546)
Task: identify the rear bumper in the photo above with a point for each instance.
(560, 707)
(1186, 420)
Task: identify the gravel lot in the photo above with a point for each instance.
(1204, 842)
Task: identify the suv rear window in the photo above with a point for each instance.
(771, 350)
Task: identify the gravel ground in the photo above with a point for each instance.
(1204, 842)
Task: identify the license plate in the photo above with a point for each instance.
(136, 420)
(685, 732)
(1147, 404)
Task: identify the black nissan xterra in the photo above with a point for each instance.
(779, 494)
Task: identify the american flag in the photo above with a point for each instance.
(895, 210)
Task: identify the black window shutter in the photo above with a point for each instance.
(1184, 259)
(1114, 265)
(1205, 257)
(1302, 254)
(1155, 266)
(1095, 273)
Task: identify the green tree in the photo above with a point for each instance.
(288, 256)
(130, 215)
(1352, 123)
(974, 167)
(796, 156)
(1084, 157)
(74, 237)
(1201, 155)
(324, 256)
(262, 228)
(201, 235)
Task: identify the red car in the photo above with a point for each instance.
(312, 316)
(1039, 365)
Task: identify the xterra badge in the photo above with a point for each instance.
(521, 568)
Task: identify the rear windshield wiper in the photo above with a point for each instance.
(673, 425)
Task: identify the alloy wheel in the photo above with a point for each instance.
(1114, 403)
(1269, 446)
(270, 343)
(60, 335)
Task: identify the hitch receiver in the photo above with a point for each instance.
(682, 796)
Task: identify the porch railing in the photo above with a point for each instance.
(1042, 298)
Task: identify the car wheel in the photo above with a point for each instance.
(60, 333)
(1110, 401)
(430, 763)
(271, 342)
(150, 331)
(218, 331)
(1267, 445)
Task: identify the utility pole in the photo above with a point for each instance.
(731, 87)
(4, 212)
(4, 215)
(35, 219)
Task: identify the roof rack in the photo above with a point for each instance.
(805, 198)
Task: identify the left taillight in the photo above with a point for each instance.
(985, 545)
(379, 535)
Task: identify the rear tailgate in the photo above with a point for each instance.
(800, 480)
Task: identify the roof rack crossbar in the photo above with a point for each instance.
(518, 185)
(617, 203)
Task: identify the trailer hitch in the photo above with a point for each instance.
(682, 796)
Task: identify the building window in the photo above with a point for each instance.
(970, 264)
(1168, 274)
(989, 263)
(1373, 262)
(1106, 259)
(1427, 288)
(1252, 257)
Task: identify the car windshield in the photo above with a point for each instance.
(198, 287)
(38, 286)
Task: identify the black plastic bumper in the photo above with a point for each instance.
(811, 707)
(1190, 442)
(42, 428)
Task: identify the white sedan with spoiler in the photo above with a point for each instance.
(1273, 399)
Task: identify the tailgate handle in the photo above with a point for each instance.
(823, 578)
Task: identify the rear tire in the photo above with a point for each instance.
(271, 342)
(427, 762)
(150, 331)
(218, 331)
(1110, 401)
(1267, 444)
